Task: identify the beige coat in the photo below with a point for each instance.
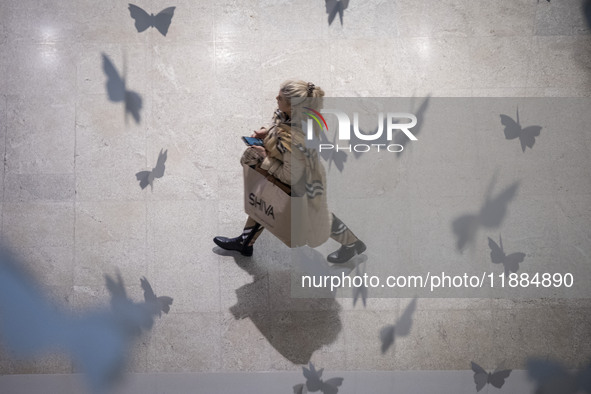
(292, 163)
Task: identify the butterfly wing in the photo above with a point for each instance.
(387, 337)
(165, 303)
(497, 379)
(512, 128)
(480, 376)
(496, 253)
(400, 138)
(144, 178)
(157, 304)
(331, 9)
(528, 136)
(493, 211)
(116, 288)
(339, 158)
(341, 10)
(143, 20)
(404, 324)
(133, 104)
(149, 295)
(465, 228)
(331, 386)
(158, 171)
(163, 19)
(115, 84)
(313, 382)
(360, 291)
(512, 261)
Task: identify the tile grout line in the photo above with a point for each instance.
(5, 105)
(148, 45)
(220, 313)
(74, 201)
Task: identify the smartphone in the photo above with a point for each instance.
(251, 141)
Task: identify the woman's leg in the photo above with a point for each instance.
(243, 243)
(252, 230)
(341, 233)
(351, 245)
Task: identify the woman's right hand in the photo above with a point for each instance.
(261, 133)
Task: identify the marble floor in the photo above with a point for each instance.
(87, 101)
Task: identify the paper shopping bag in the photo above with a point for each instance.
(268, 202)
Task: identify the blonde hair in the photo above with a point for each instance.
(299, 93)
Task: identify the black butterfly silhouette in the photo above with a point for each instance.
(315, 383)
(117, 91)
(97, 341)
(147, 177)
(491, 215)
(498, 256)
(161, 21)
(496, 378)
(157, 305)
(554, 378)
(336, 6)
(142, 316)
(527, 136)
(400, 329)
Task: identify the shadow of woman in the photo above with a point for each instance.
(295, 327)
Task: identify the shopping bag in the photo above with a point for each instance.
(268, 201)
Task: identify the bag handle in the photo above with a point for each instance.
(281, 185)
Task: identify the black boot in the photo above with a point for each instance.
(234, 244)
(346, 252)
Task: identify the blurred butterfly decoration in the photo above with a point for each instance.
(400, 138)
(498, 256)
(314, 382)
(482, 378)
(147, 177)
(334, 7)
(117, 91)
(491, 215)
(553, 378)
(527, 136)
(98, 341)
(161, 21)
(400, 329)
